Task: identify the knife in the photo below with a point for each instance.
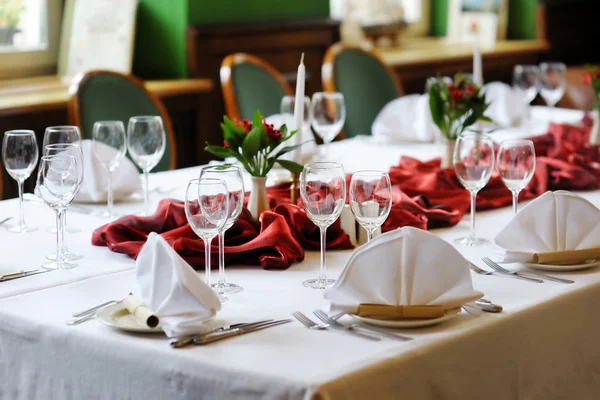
(187, 340)
(22, 274)
(213, 337)
(488, 306)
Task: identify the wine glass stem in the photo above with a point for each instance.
(59, 237)
(473, 199)
(146, 192)
(207, 260)
(21, 208)
(63, 221)
(515, 198)
(222, 258)
(110, 194)
(322, 273)
(369, 234)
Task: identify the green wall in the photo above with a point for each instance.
(217, 11)
(521, 18)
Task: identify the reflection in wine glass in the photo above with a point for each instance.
(552, 83)
(370, 199)
(516, 165)
(328, 115)
(526, 80)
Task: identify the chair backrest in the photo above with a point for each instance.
(249, 83)
(365, 81)
(106, 95)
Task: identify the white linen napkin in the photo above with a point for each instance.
(404, 267)
(406, 118)
(173, 290)
(304, 153)
(94, 189)
(555, 221)
(506, 106)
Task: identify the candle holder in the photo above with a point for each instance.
(295, 188)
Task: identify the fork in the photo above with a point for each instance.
(334, 324)
(478, 270)
(506, 272)
(525, 273)
(99, 306)
(309, 323)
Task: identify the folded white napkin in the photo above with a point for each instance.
(555, 221)
(304, 153)
(173, 290)
(406, 118)
(404, 267)
(94, 189)
(506, 106)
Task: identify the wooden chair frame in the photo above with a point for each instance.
(74, 116)
(226, 74)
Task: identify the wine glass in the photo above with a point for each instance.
(232, 176)
(57, 135)
(288, 107)
(328, 115)
(207, 209)
(74, 150)
(109, 147)
(516, 165)
(146, 142)
(20, 157)
(323, 193)
(370, 199)
(552, 83)
(526, 79)
(474, 164)
(58, 182)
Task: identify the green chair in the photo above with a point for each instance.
(111, 96)
(365, 81)
(249, 83)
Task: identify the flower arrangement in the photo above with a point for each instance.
(457, 105)
(256, 145)
(591, 77)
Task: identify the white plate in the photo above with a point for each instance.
(563, 267)
(412, 323)
(117, 316)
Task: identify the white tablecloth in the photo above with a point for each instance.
(543, 346)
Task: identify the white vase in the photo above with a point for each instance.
(447, 150)
(258, 202)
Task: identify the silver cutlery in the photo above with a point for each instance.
(22, 274)
(99, 306)
(32, 198)
(488, 306)
(498, 267)
(378, 331)
(216, 336)
(187, 340)
(309, 323)
(5, 220)
(484, 272)
(504, 271)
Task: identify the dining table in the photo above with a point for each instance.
(543, 345)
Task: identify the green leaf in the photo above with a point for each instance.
(470, 119)
(257, 120)
(291, 166)
(436, 106)
(239, 133)
(252, 142)
(229, 136)
(219, 151)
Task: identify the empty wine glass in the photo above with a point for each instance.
(526, 79)
(146, 142)
(370, 199)
(20, 157)
(552, 83)
(516, 165)
(474, 164)
(288, 107)
(328, 115)
(323, 193)
(58, 183)
(109, 147)
(232, 176)
(59, 135)
(207, 209)
(74, 150)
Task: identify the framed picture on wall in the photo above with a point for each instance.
(477, 21)
(97, 35)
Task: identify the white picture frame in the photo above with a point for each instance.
(470, 25)
(97, 35)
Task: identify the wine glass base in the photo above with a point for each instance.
(68, 230)
(21, 228)
(105, 215)
(69, 256)
(59, 265)
(228, 288)
(472, 241)
(222, 297)
(318, 283)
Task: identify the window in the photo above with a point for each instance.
(29, 33)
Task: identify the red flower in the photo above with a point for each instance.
(587, 77)
(273, 134)
(456, 96)
(451, 88)
(471, 90)
(244, 123)
(225, 144)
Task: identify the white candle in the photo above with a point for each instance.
(477, 68)
(299, 108)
